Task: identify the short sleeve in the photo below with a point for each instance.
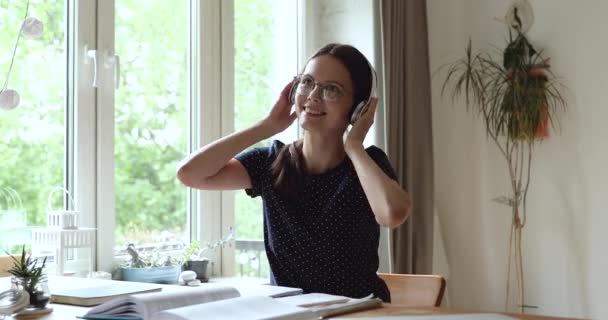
(382, 161)
(257, 162)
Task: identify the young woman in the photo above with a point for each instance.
(325, 197)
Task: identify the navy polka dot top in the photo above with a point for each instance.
(328, 242)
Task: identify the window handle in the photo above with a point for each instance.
(112, 60)
(91, 54)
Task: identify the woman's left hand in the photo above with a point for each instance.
(359, 130)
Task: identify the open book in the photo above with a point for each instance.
(223, 303)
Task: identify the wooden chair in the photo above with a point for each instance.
(5, 263)
(414, 290)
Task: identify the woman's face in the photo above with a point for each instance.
(324, 96)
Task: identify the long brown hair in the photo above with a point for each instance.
(288, 168)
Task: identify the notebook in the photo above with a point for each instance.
(92, 296)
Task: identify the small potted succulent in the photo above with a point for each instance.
(31, 277)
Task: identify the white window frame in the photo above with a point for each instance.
(84, 119)
(80, 118)
(94, 163)
(105, 200)
(226, 216)
(211, 88)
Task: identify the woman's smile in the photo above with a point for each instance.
(314, 112)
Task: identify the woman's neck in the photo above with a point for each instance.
(322, 153)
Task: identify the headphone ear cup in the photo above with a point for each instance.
(363, 105)
(292, 92)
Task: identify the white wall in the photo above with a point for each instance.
(564, 239)
(346, 21)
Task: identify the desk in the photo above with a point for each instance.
(395, 310)
(63, 312)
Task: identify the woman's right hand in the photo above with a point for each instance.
(281, 116)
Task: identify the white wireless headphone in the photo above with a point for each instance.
(362, 107)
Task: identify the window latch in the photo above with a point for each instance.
(112, 60)
(91, 54)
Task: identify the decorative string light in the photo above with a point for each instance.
(31, 27)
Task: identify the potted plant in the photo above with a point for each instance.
(31, 277)
(154, 269)
(195, 261)
(194, 255)
(517, 97)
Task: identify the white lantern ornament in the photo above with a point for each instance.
(32, 27)
(9, 99)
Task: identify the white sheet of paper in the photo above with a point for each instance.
(238, 309)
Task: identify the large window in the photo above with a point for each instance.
(115, 93)
(265, 60)
(151, 125)
(33, 135)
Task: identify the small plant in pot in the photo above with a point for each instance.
(31, 277)
(194, 261)
(153, 269)
(194, 255)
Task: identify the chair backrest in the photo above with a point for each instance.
(415, 290)
(5, 263)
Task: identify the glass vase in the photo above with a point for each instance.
(39, 294)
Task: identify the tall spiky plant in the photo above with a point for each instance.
(517, 98)
(28, 269)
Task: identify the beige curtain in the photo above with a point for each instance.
(408, 127)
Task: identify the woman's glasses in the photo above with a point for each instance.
(305, 84)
